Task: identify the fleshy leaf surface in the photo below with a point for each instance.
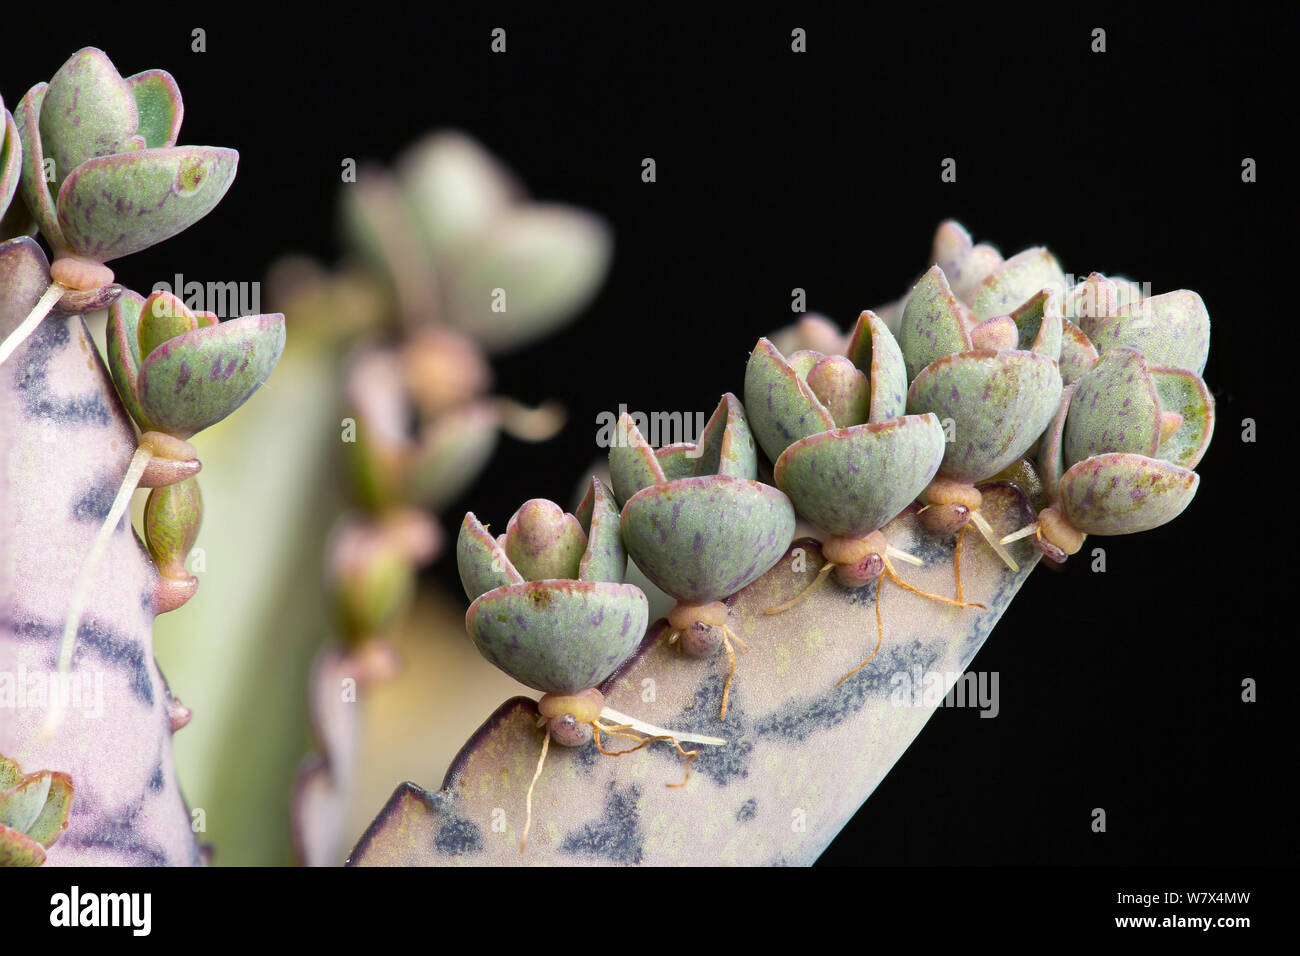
(1115, 408)
(935, 323)
(1185, 394)
(1172, 329)
(1122, 493)
(793, 737)
(781, 407)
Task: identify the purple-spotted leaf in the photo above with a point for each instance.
(197, 379)
(935, 323)
(1120, 493)
(1172, 330)
(1051, 454)
(700, 539)
(794, 738)
(964, 264)
(35, 190)
(842, 389)
(1115, 408)
(1016, 281)
(999, 403)
(1078, 354)
(558, 636)
(605, 558)
(851, 481)
(116, 205)
(779, 404)
(544, 542)
(874, 349)
(633, 464)
(482, 561)
(88, 112)
(1184, 394)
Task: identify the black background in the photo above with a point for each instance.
(822, 170)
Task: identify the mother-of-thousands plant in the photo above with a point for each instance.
(886, 442)
(90, 160)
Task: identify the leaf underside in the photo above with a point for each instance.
(800, 749)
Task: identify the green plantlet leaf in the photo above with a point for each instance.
(88, 113)
(172, 518)
(481, 560)
(964, 264)
(1115, 408)
(22, 803)
(158, 104)
(53, 818)
(559, 637)
(780, 405)
(18, 849)
(999, 403)
(874, 349)
(1171, 330)
(700, 539)
(1039, 322)
(1078, 354)
(11, 159)
(605, 558)
(935, 323)
(1184, 393)
(852, 481)
(1120, 493)
(195, 380)
(116, 205)
(543, 542)
(35, 190)
(633, 464)
(1015, 281)
(788, 721)
(162, 317)
(727, 445)
(10, 773)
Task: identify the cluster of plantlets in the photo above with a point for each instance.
(90, 161)
(449, 263)
(981, 370)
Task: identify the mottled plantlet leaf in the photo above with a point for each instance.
(999, 403)
(544, 542)
(852, 480)
(116, 205)
(158, 103)
(558, 636)
(1123, 494)
(1078, 354)
(605, 558)
(935, 323)
(1172, 329)
(802, 754)
(88, 112)
(1115, 408)
(1039, 323)
(195, 380)
(700, 539)
(633, 464)
(965, 264)
(481, 559)
(1184, 394)
(874, 349)
(1015, 281)
(780, 405)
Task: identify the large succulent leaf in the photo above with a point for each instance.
(935, 323)
(66, 446)
(1015, 281)
(799, 747)
(1172, 329)
(781, 407)
(116, 205)
(1078, 354)
(874, 349)
(1115, 408)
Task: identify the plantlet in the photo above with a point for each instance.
(699, 525)
(34, 812)
(550, 609)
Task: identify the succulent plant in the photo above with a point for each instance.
(117, 182)
(34, 811)
(698, 524)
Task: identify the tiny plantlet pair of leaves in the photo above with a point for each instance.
(699, 524)
(844, 449)
(34, 810)
(549, 607)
